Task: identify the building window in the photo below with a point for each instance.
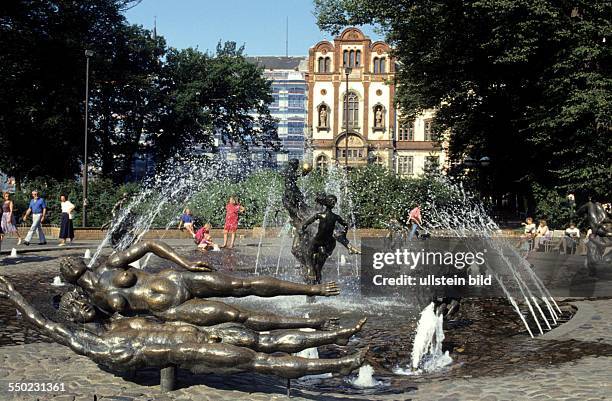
(352, 153)
(297, 101)
(295, 127)
(379, 65)
(405, 165)
(324, 64)
(428, 133)
(353, 110)
(352, 58)
(322, 162)
(406, 132)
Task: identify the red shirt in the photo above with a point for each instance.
(415, 215)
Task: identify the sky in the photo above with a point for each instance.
(258, 24)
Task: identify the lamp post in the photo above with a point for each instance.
(479, 164)
(571, 200)
(88, 54)
(347, 71)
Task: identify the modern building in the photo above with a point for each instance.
(288, 76)
(351, 113)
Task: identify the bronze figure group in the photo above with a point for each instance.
(131, 318)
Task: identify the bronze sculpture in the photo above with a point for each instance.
(311, 247)
(176, 295)
(132, 343)
(323, 243)
(600, 239)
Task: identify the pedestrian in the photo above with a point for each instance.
(542, 234)
(570, 240)
(1, 237)
(187, 222)
(38, 209)
(529, 232)
(8, 217)
(203, 238)
(414, 217)
(66, 226)
(232, 209)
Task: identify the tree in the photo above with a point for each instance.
(42, 82)
(125, 99)
(207, 94)
(525, 83)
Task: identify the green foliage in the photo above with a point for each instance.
(526, 83)
(207, 93)
(142, 95)
(103, 194)
(379, 195)
(553, 207)
(255, 193)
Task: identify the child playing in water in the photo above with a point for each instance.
(203, 238)
(231, 221)
(187, 222)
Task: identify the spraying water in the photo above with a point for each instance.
(365, 378)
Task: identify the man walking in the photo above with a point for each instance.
(38, 209)
(414, 217)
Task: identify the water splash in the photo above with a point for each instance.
(365, 378)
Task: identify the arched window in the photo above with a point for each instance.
(379, 65)
(324, 64)
(322, 162)
(353, 109)
(352, 58)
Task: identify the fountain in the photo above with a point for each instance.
(365, 378)
(461, 218)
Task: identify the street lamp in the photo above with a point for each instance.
(88, 54)
(347, 71)
(479, 165)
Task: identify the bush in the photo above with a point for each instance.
(552, 207)
(103, 194)
(376, 195)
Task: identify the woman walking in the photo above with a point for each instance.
(8, 217)
(66, 227)
(231, 221)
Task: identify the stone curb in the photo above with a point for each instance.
(583, 315)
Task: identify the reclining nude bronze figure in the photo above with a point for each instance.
(176, 295)
(132, 343)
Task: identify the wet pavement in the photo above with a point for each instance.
(493, 356)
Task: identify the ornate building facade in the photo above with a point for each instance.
(360, 125)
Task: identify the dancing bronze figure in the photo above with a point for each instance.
(132, 343)
(323, 243)
(600, 239)
(176, 295)
(312, 247)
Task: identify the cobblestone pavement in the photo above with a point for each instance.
(586, 378)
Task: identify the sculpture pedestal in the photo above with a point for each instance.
(167, 379)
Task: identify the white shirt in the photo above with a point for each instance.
(542, 231)
(67, 207)
(530, 228)
(573, 232)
